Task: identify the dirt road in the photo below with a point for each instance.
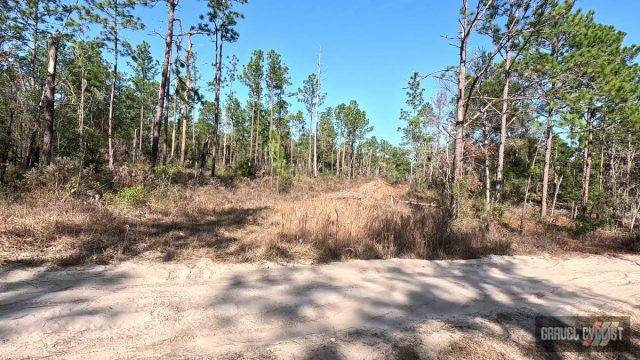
(358, 309)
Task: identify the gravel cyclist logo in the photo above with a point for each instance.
(581, 333)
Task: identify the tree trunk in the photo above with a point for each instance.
(310, 155)
(487, 174)
(6, 147)
(343, 160)
(224, 151)
(186, 104)
(173, 139)
(141, 131)
(165, 120)
(112, 97)
(601, 169)
(216, 116)
(635, 212)
(455, 182)
(338, 160)
(454, 191)
(49, 99)
(83, 88)
(555, 196)
(352, 158)
(162, 89)
(503, 122)
(135, 147)
(253, 117)
(316, 106)
(586, 169)
(203, 157)
(547, 165)
(526, 192)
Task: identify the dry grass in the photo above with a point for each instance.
(317, 221)
(560, 235)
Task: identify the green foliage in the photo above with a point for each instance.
(132, 196)
(172, 174)
(245, 168)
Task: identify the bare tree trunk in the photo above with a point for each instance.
(165, 120)
(253, 116)
(6, 147)
(310, 155)
(547, 165)
(216, 116)
(83, 88)
(187, 102)
(162, 89)
(271, 130)
(555, 196)
(141, 131)
(316, 106)
(257, 154)
(487, 174)
(352, 158)
(293, 158)
(112, 97)
(203, 157)
(635, 213)
(343, 161)
(224, 151)
(338, 160)
(600, 170)
(526, 192)
(173, 140)
(586, 170)
(135, 145)
(454, 191)
(49, 99)
(193, 141)
(503, 122)
(630, 156)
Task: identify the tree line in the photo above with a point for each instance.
(63, 98)
(548, 113)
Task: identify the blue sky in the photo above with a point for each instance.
(369, 47)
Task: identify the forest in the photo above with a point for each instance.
(222, 179)
(540, 126)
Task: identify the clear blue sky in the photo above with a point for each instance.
(370, 47)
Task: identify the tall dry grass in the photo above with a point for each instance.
(375, 221)
(245, 221)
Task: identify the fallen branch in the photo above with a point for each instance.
(410, 202)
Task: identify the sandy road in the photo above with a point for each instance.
(356, 309)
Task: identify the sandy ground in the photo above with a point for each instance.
(354, 310)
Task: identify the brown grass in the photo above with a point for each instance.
(317, 221)
(560, 235)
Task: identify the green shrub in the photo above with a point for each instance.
(56, 176)
(172, 174)
(245, 168)
(585, 224)
(133, 195)
(285, 182)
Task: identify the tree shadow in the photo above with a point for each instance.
(32, 293)
(111, 236)
(492, 304)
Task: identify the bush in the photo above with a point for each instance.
(56, 176)
(133, 196)
(172, 175)
(245, 168)
(585, 224)
(285, 182)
